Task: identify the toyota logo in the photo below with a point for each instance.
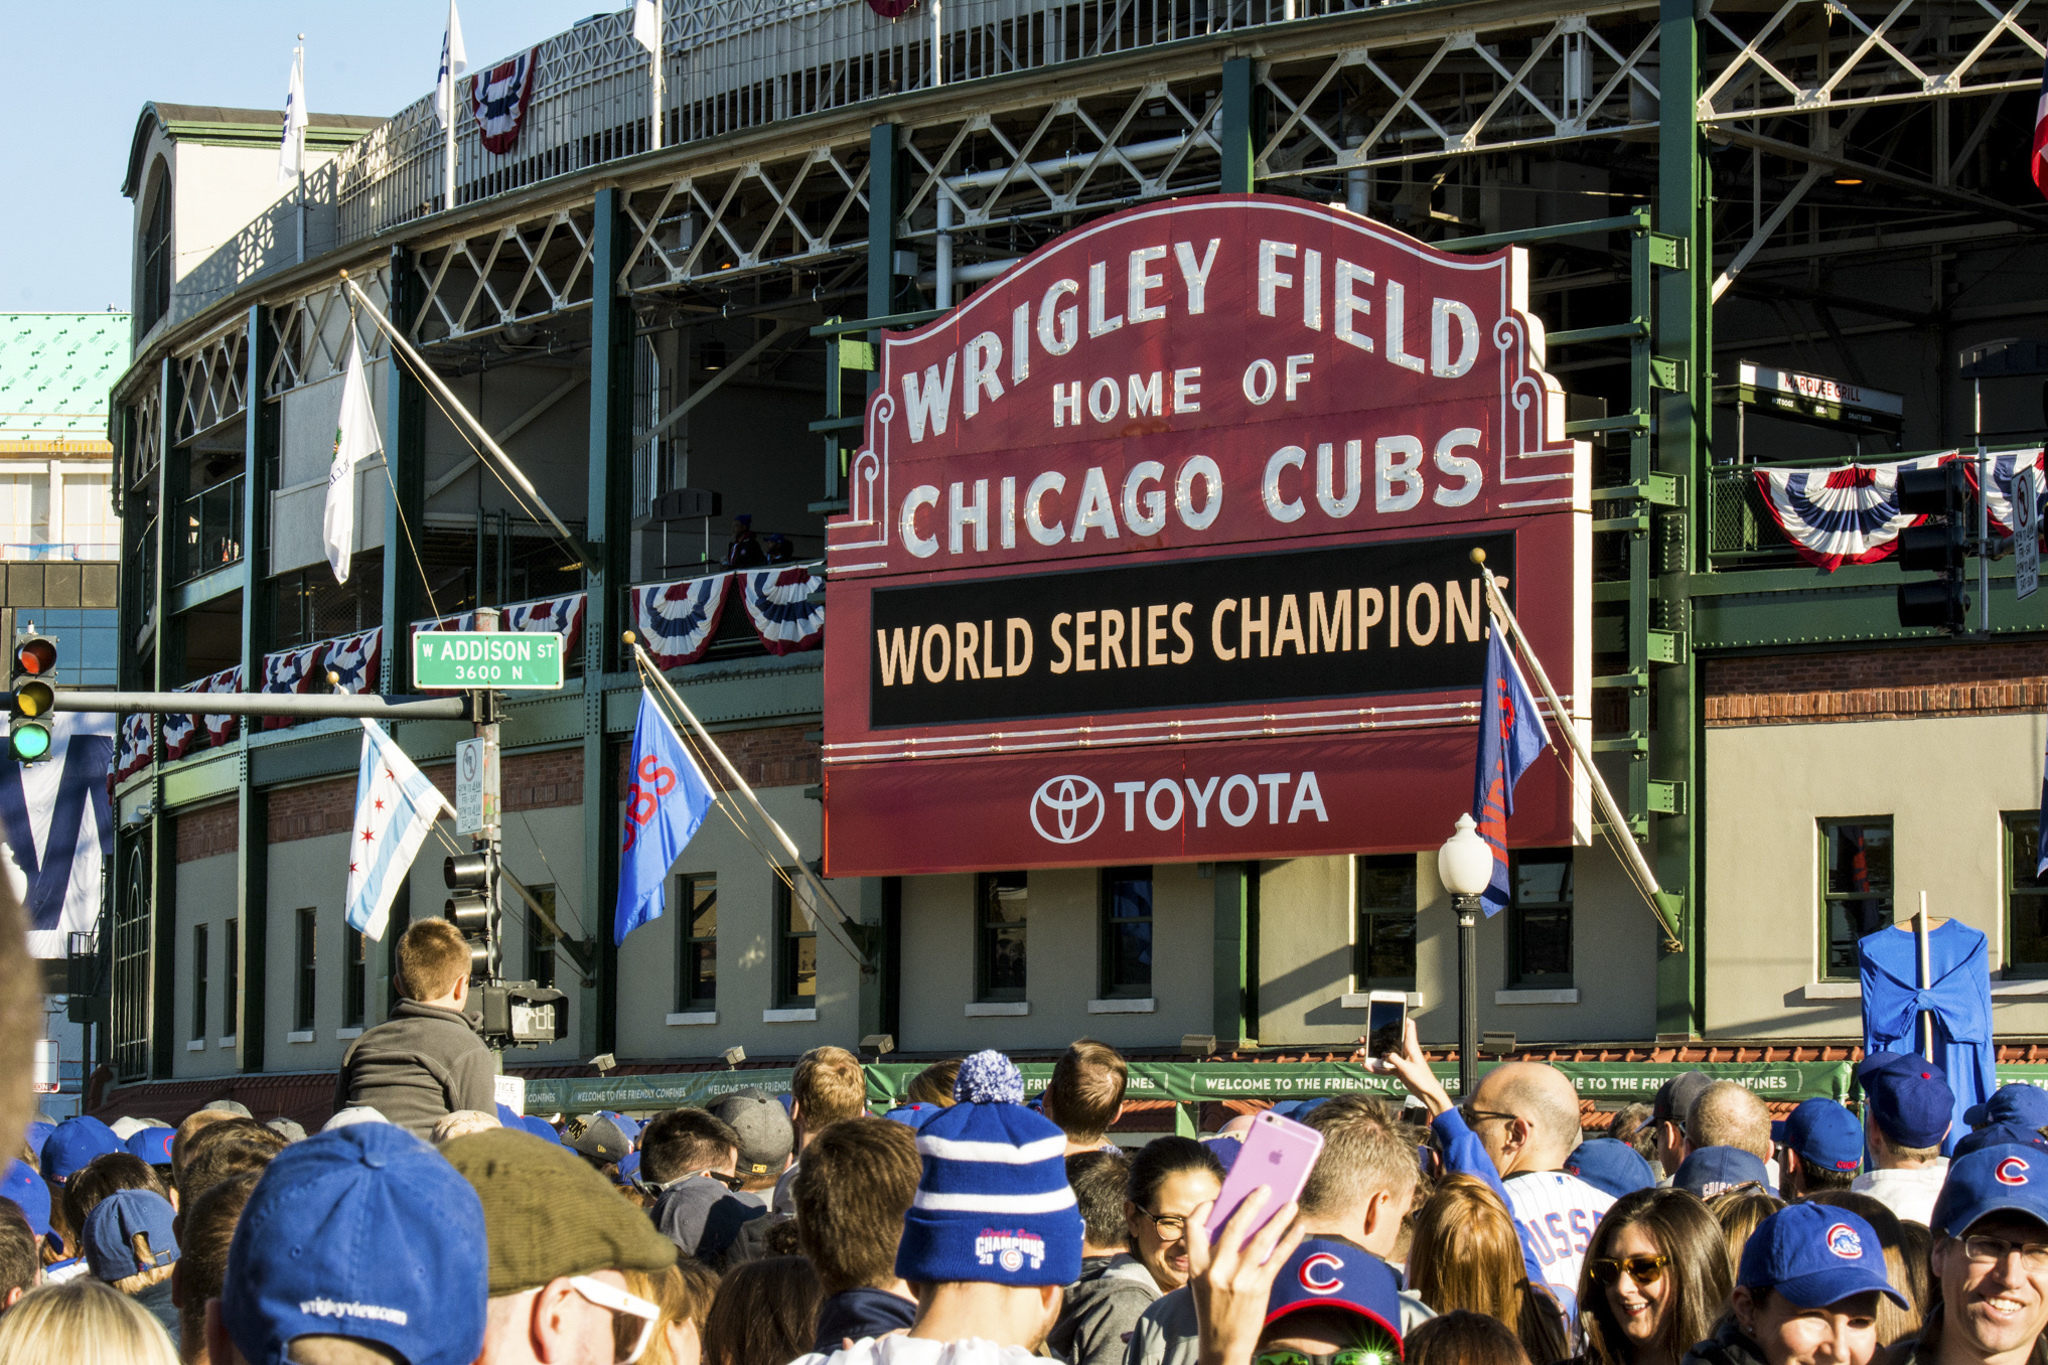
(1072, 802)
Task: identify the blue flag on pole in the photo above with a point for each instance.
(2041, 853)
(667, 799)
(1511, 734)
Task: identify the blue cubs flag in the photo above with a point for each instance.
(1511, 734)
(667, 799)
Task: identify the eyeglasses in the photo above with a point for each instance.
(1354, 1355)
(1983, 1250)
(1474, 1117)
(1643, 1270)
(1171, 1227)
(633, 1317)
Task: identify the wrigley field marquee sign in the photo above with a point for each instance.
(1158, 549)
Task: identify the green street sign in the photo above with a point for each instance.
(455, 660)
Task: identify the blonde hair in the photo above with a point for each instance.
(82, 1322)
(1466, 1255)
(462, 1123)
(672, 1291)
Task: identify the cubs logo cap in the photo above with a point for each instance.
(1824, 1134)
(1610, 1166)
(2003, 1178)
(2018, 1104)
(1815, 1255)
(1331, 1274)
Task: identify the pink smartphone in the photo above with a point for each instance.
(1278, 1154)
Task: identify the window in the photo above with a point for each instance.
(2026, 900)
(1383, 959)
(697, 944)
(1856, 889)
(355, 976)
(1002, 904)
(231, 964)
(153, 298)
(1540, 917)
(796, 956)
(88, 642)
(540, 940)
(308, 978)
(198, 981)
(1126, 932)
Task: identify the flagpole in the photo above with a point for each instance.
(1639, 867)
(301, 59)
(821, 894)
(446, 96)
(654, 75)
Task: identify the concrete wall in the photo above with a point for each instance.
(1943, 781)
(205, 895)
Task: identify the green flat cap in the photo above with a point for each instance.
(548, 1214)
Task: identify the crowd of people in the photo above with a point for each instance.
(973, 1226)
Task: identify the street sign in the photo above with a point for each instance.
(48, 1074)
(2026, 530)
(510, 1091)
(448, 660)
(476, 786)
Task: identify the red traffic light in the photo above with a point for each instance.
(37, 655)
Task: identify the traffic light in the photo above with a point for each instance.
(471, 907)
(32, 699)
(1942, 495)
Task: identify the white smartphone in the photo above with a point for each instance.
(1386, 1018)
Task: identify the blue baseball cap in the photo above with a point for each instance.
(541, 1128)
(1610, 1165)
(152, 1144)
(1823, 1133)
(37, 1134)
(1815, 1255)
(26, 1188)
(629, 1126)
(1330, 1274)
(74, 1144)
(2019, 1104)
(2004, 1178)
(915, 1115)
(1998, 1135)
(1716, 1170)
(115, 1224)
(510, 1117)
(1225, 1148)
(1910, 1101)
(363, 1232)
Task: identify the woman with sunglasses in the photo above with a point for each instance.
(1171, 1177)
(1656, 1276)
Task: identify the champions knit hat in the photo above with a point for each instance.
(2019, 1104)
(121, 1226)
(152, 1144)
(362, 1232)
(1716, 1170)
(1330, 1274)
(21, 1184)
(1612, 1166)
(1823, 1133)
(74, 1144)
(1997, 1179)
(1815, 1255)
(993, 1205)
(765, 1133)
(1910, 1101)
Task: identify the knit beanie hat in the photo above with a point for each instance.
(993, 1204)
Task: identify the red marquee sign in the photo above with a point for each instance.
(1158, 550)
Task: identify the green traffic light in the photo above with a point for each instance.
(29, 741)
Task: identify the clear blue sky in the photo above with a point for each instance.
(71, 99)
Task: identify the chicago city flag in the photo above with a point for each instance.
(395, 807)
(1511, 734)
(666, 803)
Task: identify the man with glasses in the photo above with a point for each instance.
(691, 1156)
(1990, 1253)
(559, 1238)
(358, 1244)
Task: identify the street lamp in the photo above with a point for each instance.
(1465, 866)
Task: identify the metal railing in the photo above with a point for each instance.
(734, 64)
(210, 529)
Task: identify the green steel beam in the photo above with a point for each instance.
(1234, 988)
(1234, 131)
(173, 474)
(263, 430)
(405, 490)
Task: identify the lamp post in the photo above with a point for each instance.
(1465, 866)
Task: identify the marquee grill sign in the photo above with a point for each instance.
(1158, 549)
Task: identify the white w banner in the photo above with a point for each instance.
(59, 822)
(395, 807)
(291, 148)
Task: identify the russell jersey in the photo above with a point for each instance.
(1557, 1213)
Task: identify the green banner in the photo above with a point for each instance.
(634, 1094)
(2023, 1074)
(1630, 1081)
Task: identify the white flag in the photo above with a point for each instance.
(647, 24)
(291, 151)
(355, 440)
(454, 61)
(395, 807)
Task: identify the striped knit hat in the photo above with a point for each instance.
(993, 1204)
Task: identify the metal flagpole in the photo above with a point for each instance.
(584, 557)
(821, 895)
(654, 84)
(1926, 979)
(1639, 867)
(301, 59)
(446, 96)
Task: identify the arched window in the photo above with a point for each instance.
(153, 282)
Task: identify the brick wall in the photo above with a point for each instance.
(1884, 684)
(775, 757)
(312, 810)
(528, 782)
(207, 832)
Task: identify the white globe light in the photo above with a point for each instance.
(1465, 863)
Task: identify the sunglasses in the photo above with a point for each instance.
(1354, 1355)
(633, 1317)
(1641, 1269)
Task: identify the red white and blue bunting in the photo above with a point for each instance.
(1846, 515)
(778, 601)
(675, 621)
(500, 97)
(564, 614)
(294, 670)
(181, 730)
(1998, 503)
(357, 659)
(132, 754)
